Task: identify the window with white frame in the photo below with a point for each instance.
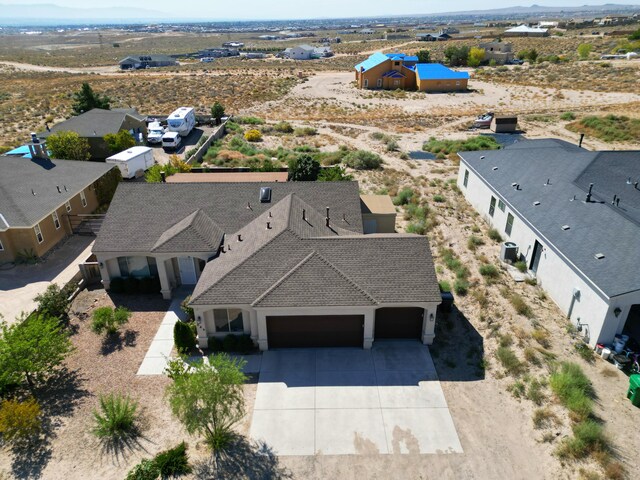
(1, 246)
(83, 199)
(38, 232)
(509, 226)
(68, 206)
(228, 320)
(56, 220)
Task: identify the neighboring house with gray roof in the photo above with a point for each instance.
(96, 123)
(286, 263)
(135, 62)
(574, 215)
(37, 196)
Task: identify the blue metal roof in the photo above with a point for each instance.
(22, 151)
(402, 56)
(373, 61)
(436, 71)
(410, 58)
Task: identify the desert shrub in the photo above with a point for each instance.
(506, 340)
(173, 462)
(334, 174)
(230, 343)
(568, 116)
(585, 352)
(449, 148)
(362, 160)
(489, 271)
(145, 470)
(19, 420)
(517, 389)
(494, 235)
(248, 120)
(184, 306)
(54, 301)
(26, 257)
(183, 337)
(610, 128)
(542, 337)
(404, 196)
(392, 145)
(461, 286)
(214, 344)
(573, 388)
(474, 242)
(535, 391)
(520, 306)
(305, 132)
(117, 285)
(588, 438)
(543, 417)
(253, 135)
(106, 319)
(444, 286)
(116, 418)
(509, 361)
(283, 127)
(521, 266)
(531, 356)
(439, 198)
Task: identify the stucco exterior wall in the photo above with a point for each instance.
(554, 274)
(384, 223)
(442, 85)
(372, 75)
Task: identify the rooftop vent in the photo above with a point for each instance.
(265, 194)
(565, 227)
(536, 203)
(494, 168)
(548, 182)
(599, 256)
(481, 157)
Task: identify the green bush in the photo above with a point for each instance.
(183, 337)
(283, 127)
(106, 319)
(439, 198)
(461, 286)
(214, 344)
(568, 116)
(489, 271)
(253, 135)
(362, 160)
(494, 235)
(404, 196)
(145, 470)
(117, 416)
(520, 305)
(173, 462)
(585, 352)
(509, 361)
(117, 285)
(19, 420)
(444, 286)
(184, 306)
(244, 344)
(474, 242)
(449, 148)
(573, 388)
(248, 120)
(535, 391)
(305, 132)
(54, 302)
(230, 343)
(588, 438)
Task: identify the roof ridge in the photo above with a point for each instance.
(311, 255)
(193, 214)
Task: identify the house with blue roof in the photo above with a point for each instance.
(393, 71)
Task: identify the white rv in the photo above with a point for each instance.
(182, 121)
(133, 162)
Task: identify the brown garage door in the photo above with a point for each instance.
(405, 322)
(315, 331)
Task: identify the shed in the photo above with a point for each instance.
(378, 214)
(504, 124)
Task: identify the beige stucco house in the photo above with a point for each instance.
(286, 263)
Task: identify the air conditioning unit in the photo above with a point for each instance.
(509, 252)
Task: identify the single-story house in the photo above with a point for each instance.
(397, 70)
(499, 52)
(433, 37)
(307, 52)
(287, 263)
(136, 62)
(37, 196)
(526, 31)
(96, 123)
(574, 217)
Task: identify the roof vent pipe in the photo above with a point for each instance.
(163, 176)
(304, 214)
(248, 205)
(614, 200)
(221, 248)
(628, 180)
(589, 194)
(270, 214)
(618, 202)
(635, 185)
(58, 187)
(548, 182)
(327, 212)
(268, 225)
(239, 237)
(581, 138)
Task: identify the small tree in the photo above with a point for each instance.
(424, 56)
(217, 111)
(118, 142)
(19, 420)
(32, 349)
(86, 99)
(183, 337)
(106, 319)
(106, 186)
(54, 302)
(68, 146)
(208, 398)
(584, 49)
(456, 56)
(303, 168)
(476, 56)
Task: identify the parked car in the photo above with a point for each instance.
(483, 121)
(155, 131)
(171, 141)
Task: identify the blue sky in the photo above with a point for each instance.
(293, 9)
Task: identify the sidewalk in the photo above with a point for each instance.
(155, 361)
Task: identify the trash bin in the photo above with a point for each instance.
(634, 390)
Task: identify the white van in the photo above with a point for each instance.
(155, 132)
(182, 121)
(133, 162)
(171, 141)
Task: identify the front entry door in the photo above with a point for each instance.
(187, 270)
(535, 259)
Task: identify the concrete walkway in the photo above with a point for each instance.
(155, 361)
(20, 284)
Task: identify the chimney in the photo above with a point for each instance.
(268, 225)
(34, 138)
(304, 214)
(589, 194)
(163, 176)
(581, 138)
(239, 237)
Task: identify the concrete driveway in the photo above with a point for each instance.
(342, 401)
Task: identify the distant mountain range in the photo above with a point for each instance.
(54, 15)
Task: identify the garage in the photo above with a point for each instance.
(400, 322)
(293, 331)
